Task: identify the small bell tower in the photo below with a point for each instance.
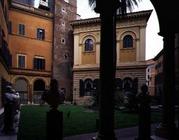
(43, 4)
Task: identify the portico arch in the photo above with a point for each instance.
(39, 86)
(21, 85)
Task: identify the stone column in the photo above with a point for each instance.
(177, 71)
(30, 94)
(118, 52)
(0, 92)
(167, 128)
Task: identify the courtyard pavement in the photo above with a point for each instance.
(121, 134)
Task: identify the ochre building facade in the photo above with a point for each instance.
(40, 42)
(5, 56)
(131, 64)
(30, 42)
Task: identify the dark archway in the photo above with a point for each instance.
(39, 87)
(88, 87)
(118, 84)
(127, 84)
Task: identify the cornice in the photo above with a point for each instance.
(30, 72)
(29, 38)
(31, 10)
(131, 67)
(134, 15)
(120, 66)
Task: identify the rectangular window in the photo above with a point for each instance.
(40, 34)
(21, 29)
(39, 63)
(21, 60)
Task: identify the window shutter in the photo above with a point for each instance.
(43, 34)
(97, 86)
(35, 63)
(23, 29)
(19, 28)
(81, 88)
(97, 91)
(135, 85)
(23, 61)
(38, 33)
(43, 64)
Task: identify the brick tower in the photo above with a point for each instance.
(64, 12)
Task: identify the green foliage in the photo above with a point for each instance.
(119, 98)
(130, 101)
(127, 100)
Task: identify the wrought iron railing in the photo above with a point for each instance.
(37, 97)
(23, 97)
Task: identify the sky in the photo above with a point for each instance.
(154, 42)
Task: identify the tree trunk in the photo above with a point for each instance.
(107, 75)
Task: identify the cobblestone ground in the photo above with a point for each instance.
(13, 134)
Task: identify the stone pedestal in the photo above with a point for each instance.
(144, 129)
(54, 125)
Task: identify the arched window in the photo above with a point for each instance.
(88, 87)
(118, 84)
(89, 45)
(127, 84)
(128, 41)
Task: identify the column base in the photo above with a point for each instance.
(161, 131)
(164, 132)
(143, 139)
(54, 128)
